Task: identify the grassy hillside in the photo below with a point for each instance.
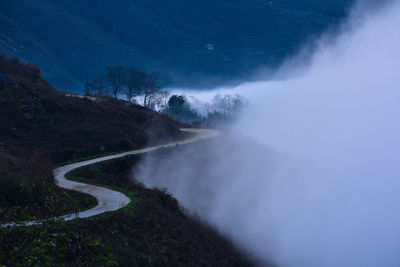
(40, 128)
(28, 192)
(187, 42)
(152, 231)
(35, 117)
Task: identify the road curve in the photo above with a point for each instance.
(108, 200)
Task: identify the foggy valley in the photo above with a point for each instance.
(184, 133)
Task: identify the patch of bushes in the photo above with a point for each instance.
(51, 244)
(29, 191)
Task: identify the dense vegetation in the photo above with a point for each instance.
(194, 43)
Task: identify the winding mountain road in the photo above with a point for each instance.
(109, 200)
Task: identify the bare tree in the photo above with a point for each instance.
(239, 103)
(134, 83)
(150, 89)
(161, 100)
(217, 103)
(116, 77)
(96, 87)
(100, 87)
(89, 88)
(227, 105)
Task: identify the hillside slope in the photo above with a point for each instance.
(187, 42)
(34, 116)
(40, 127)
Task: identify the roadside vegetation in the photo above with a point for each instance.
(152, 231)
(28, 191)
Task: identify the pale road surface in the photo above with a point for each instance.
(109, 200)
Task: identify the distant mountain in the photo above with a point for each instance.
(188, 42)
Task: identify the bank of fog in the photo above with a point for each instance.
(314, 178)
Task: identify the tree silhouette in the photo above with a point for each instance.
(116, 78)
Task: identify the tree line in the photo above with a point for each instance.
(222, 109)
(135, 86)
(140, 87)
